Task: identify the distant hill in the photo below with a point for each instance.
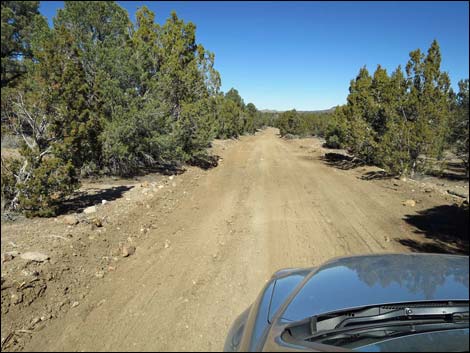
(331, 110)
(270, 111)
(299, 111)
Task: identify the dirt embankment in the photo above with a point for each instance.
(167, 263)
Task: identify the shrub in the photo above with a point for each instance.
(333, 141)
(9, 169)
(47, 186)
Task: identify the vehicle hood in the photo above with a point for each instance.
(354, 282)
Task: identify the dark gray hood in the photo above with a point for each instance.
(380, 279)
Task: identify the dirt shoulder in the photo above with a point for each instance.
(205, 243)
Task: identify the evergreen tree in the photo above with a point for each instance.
(428, 106)
(230, 123)
(289, 122)
(19, 19)
(361, 137)
(460, 133)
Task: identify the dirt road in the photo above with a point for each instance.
(270, 204)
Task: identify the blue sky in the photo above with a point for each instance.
(302, 55)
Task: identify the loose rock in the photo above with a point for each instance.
(16, 298)
(35, 321)
(70, 220)
(34, 256)
(409, 203)
(167, 244)
(89, 210)
(7, 257)
(127, 250)
(456, 193)
(46, 317)
(97, 222)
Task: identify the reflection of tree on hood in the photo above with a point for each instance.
(417, 274)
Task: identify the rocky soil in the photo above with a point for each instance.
(131, 264)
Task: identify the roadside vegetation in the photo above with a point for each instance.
(98, 94)
(400, 122)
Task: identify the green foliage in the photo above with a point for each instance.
(50, 182)
(233, 95)
(236, 118)
(459, 136)
(302, 124)
(10, 168)
(398, 122)
(230, 122)
(336, 131)
(77, 124)
(103, 95)
(290, 122)
(251, 116)
(19, 19)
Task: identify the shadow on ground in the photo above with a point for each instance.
(341, 161)
(377, 175)
(449, 175)
(450, 170)
(167, 169)
(446, 226)
(83, 200)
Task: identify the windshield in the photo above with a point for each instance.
(394, 327)
(370, 280)
(438, 341)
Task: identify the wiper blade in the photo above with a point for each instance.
(388, 329)
(331, 323)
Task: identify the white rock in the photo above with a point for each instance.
(89, 210)
(410, 203)
(104, 202)
(34, 256)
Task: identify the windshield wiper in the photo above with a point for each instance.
(390, 317)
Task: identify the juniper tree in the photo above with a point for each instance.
(428, 106)
(18, 21)
(460, 124)
(360, 138)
